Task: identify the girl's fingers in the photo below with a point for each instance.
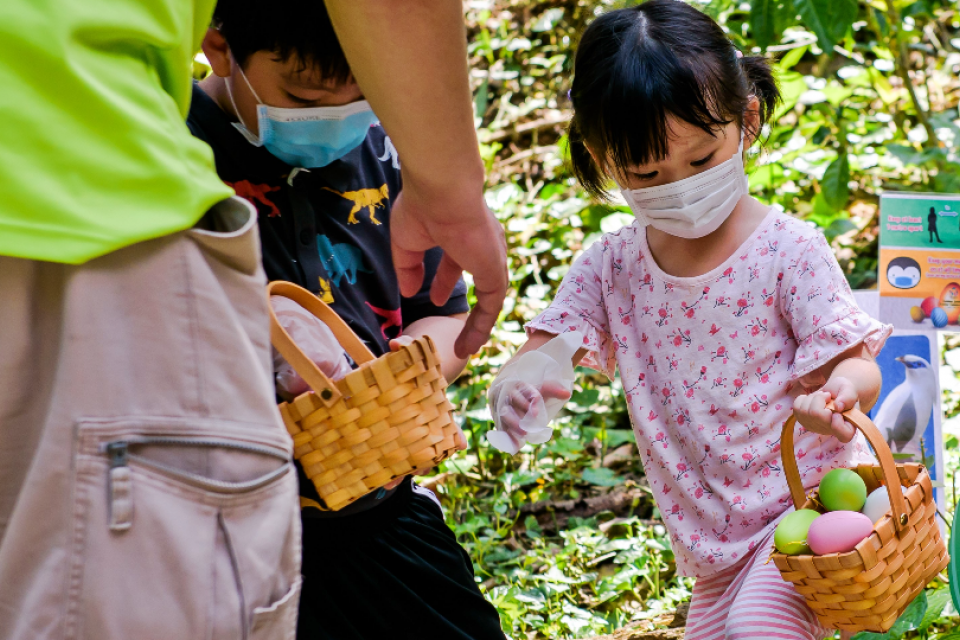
(554, 390)
(801, 403)
(841, 428)
(510, 422)
(522, 397)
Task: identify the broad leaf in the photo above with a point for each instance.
(601, 477)
(828, 19)
(954, 568)
(936, 603)
(834, 182)
(763, 22)
(792, 57)
(911, 618)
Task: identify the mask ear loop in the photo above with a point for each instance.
(245, 130)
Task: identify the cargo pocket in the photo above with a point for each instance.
(183, 528)
(279, 620)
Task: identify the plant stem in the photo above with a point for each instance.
(903, 69)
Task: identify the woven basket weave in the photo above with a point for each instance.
(868, 588)
(382, 421)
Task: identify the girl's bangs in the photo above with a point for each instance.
(638, 97)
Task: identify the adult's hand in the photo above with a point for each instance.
(410, 59)
(472, 241)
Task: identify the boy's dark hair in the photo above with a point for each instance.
(635, 67)
(298, 28)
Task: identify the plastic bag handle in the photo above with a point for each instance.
(868, 429)
(325, 388)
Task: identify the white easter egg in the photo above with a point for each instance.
(877, 504)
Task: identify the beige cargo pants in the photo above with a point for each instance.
(146, 489)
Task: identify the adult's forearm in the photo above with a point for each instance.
(410, 59)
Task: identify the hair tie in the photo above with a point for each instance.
(739, 54)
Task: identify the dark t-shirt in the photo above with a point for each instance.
(327, 230)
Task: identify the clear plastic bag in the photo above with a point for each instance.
(550, 364)
(314, 338)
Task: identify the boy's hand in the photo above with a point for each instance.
(459, 439)
(524, 398)
(400, 341)
(811, 410)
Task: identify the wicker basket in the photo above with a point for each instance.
(868, 588)
(382, 421)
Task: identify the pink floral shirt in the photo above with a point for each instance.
(710, 366)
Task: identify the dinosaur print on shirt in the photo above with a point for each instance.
(256, 193)
(392, 318)
(340, 260)
(369, 198)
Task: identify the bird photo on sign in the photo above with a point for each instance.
(908, 411)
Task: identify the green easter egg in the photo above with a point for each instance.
(791, 534)
(843, 490)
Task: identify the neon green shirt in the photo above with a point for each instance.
(94, 151)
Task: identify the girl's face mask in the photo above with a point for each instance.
(310, 137)
(693, 207)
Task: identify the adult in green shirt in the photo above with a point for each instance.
(145, 487)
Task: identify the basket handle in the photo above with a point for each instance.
(324, 387)
(887, 465)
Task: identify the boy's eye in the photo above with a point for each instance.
(298, 99)
(700, 163)
(646, 176)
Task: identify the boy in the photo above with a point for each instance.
(323, 176)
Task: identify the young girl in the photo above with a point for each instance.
(721, 314)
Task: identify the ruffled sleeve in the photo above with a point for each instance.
(824, 317)
(580, 306)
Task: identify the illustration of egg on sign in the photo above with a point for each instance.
(903, 273)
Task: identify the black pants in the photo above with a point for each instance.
(395, 571)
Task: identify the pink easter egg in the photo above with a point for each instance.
(838, 532)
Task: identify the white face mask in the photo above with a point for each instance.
(693, 207)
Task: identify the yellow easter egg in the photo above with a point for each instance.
(916, 314)
(950, 301)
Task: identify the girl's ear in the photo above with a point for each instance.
(217, 51)
(601, 166)
(751, 122)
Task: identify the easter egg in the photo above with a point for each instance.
(838, 532)
(790, 536)
(928, 305)
(939, 318)
(916, 314)
(878, 504)
(843, 490)
(950, 301)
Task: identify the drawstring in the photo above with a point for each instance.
(293, 174)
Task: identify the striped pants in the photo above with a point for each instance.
(750, 601)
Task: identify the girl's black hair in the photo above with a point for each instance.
(287, 28)
(635, 67)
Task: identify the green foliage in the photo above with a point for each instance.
(870, 103)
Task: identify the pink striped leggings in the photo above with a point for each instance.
(750, 601)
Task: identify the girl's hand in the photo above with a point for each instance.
(812, 413)
(523, 398)
(459, 439)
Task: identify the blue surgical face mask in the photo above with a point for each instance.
(311, 137)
